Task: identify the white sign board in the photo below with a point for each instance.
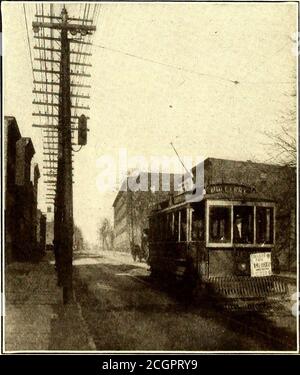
(260, 264)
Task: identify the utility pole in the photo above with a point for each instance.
(63, 197)
(64, 189)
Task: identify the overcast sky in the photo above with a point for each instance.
(211, 78)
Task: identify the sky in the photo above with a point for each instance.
(209, 77)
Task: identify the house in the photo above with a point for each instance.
(21, 189)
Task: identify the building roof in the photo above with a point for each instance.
(244, 162)
(10, 121)
(189, 197)
(124, 185)
(27, 142)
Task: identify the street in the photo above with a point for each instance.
(125, 311)
(138, 135)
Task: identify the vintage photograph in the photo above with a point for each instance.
(149, 174)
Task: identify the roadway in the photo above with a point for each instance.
(125, 311)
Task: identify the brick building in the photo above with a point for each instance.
(41, 232)
(11, 136)
(135, 200)
(21, 189)
(273, 181)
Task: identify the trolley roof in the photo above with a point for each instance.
(229, 192)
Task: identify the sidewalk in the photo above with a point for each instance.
(35, 318)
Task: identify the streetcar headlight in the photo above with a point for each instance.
(242, 266)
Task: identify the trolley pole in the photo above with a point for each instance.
(63, 211)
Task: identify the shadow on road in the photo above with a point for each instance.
(66, 329)
(125, 311)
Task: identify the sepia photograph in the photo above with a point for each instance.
(150, 178)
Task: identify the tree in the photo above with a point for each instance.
(106, 234)
(282, 147)
(283, 144)
(78, 241)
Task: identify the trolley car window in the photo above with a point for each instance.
(197, 224)
(243, 223)
(153, 232)
(220, 224)
(176, 226)
(183, 226)
(151, 229)
(170, 227)
(158, 228)
(162, 227)
(264, 225)
(167, 228)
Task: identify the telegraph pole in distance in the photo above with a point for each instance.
(63, 214)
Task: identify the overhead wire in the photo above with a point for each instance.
(28, 40)
(187, 70)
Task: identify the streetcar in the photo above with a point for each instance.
(220, 244)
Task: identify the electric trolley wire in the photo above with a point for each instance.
(179, 68)
(165, 64)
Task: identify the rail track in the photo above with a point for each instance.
(263, 323)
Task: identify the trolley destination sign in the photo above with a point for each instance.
(229, 189)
